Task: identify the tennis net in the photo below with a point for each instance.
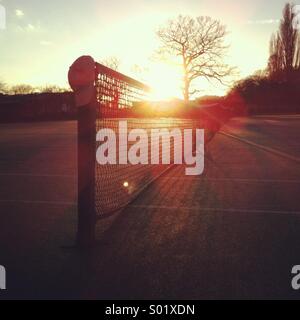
(122, 106)
(121, 98)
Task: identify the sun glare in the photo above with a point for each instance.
(165, 81)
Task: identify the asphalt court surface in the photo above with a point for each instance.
(231, 233)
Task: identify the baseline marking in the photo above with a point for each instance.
(197, 208)
(233, 180)
(58, 203)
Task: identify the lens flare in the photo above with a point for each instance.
(126, 184)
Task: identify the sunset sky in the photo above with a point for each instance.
(42, 38)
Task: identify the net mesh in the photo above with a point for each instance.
(118, 97)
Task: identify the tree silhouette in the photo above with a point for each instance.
(199, 45)
(51, 89)
(275, 65)
(3, 87)
(22, 89)
(111, 62)
(285, 46)
(277, 89)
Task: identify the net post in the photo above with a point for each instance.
(86, 154)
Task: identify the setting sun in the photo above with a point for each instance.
(149, 152)
(165, 81)
(128, 32)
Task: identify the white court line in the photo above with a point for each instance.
(275, 122)
(280, 116)
(198, 208)
(55, 203)
(265, 148)
(231, 179)
(36, 175)
(193, 208)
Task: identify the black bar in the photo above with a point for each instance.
(86, 175)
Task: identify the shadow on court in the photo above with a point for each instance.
(230, 233)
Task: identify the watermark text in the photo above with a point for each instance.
(2, 278)
(186, 146)
(296, 279)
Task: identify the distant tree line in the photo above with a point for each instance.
(24, 102)
(37, 107)
(24, 89)
(275, 89)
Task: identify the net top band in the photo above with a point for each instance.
(101, 69)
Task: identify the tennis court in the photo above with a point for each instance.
(223, 234)
(160, 233)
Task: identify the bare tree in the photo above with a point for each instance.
(275, 64)
(285, 45)
(199, 44)
(22, 89)
(289, 37)
(139, 72)
(112, 63)
(51, 89)
(3, 87)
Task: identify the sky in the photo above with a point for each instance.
(43, 38)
